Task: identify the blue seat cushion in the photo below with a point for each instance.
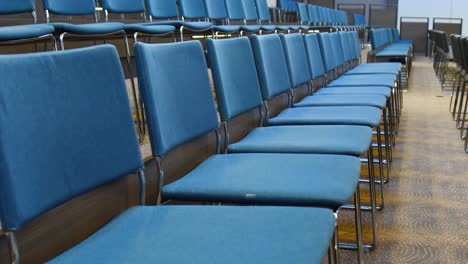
(375, 100)
(88, 29)
(392, 53)
(25, 32)
(329, 115)
(209, 234)
(379, 65)
(382, 90)
(368, 70)
(294, 27)
(346, 140)
(304, 27)
(268, 27)
(308, 180)
(227, 28)
(190, 25)
(250, 28)
(283, 27)
(154, 29)
(365, 80)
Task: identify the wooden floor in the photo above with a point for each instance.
(426, 215)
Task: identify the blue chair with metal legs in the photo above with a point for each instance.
(10, 35)
(235, 12)
(135, 7)
(167, 9)
(264, 16)
(250, 15)
(216, 11)
(71, 8)
(260, 179)
(36, 178)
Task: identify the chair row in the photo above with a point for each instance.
(327, 132)
(458, 100)
(359, 20)
(441, 52)
(316, 15)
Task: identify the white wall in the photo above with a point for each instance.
(435, 8)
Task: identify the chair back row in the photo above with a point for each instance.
(311, 14)
(178, 109)
(381, 38)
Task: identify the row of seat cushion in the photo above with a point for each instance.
(388, 43)
(317, 15)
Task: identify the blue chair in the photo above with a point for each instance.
(24, 33)
(216, 10)
(231, 178)
(135, 7)
(167, 9)
(102, 152)
(83, 8)
(263, 13)
(235, 12)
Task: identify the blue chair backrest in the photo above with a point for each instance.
(263, 10)
(124, 6)
(271, 65)
(70, 7)
(314, 55)
(250, 10)
(66, 129)
(216, 9)
(296, 58)
(235, 9)
(396, 34)
(345, 45)
(177, 94)
(162, 9)
(321, 14)
(303, 13)
(313, 15)
(192, 9)
(292, 6)
(235, 76)
(354, 39)
(16, 6)
(327, 51)
(337, 48)
(284, 5)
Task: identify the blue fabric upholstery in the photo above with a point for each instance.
(234, 75)
(124, 6)
(308, 180)
(296, 58)
(313, 13)
(25, 32)
(263, 11)
(162, 9)
(336, 139)
(88, 29)
(283, 27)
(250, 10)
(17, 6)
(314, 56)
(193, 26)
(216, 9)
(55, 145)
(207, 234)
(70, 7)
(385, 91)
(303, 14)
(153, 29)
(375, 100)
(234, 9)
(393, 53)
(329, 115)
(345, 46)
(269, 28)
(391, 66)
(365, 80)
(178, 100)
(327, 51)
(370, 70)
(227, 28)
(271, 65)
(192, 9)
(251, 28)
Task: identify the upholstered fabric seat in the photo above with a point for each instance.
(279, 179)
(375, 100)
(393, 53)
(198, 234)
(329, 115)
(365, 80)
(227, 28)
(251, 28)
(270, 28)
(154, 29)
(88, 29)
(344, 140)
(25, 32)
(382, 90)
(193, 26)
(376, 70)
